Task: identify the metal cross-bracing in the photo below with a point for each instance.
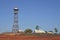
(15, 25)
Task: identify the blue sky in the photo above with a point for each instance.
(45, 13)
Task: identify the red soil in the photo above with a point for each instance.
(9, 37)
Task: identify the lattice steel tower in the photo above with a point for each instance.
(15, 25)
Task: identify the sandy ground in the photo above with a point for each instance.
(10, 37)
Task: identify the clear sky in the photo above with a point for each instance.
(45, 13)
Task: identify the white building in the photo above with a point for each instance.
(50, 33)
(40, 31)
(21, 31)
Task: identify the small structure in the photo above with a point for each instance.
(39, 31)
(21, 31)
(50, 32)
